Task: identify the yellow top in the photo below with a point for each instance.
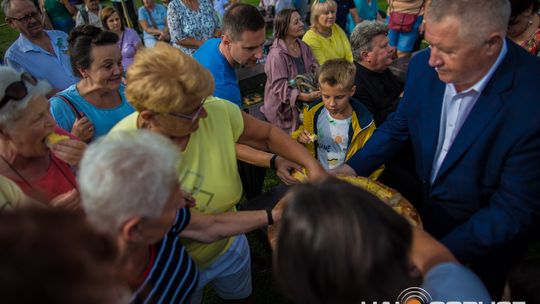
(211, 154)
(11, 196)
(334, 47)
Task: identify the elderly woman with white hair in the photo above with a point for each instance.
(141, 204)
(41, 170)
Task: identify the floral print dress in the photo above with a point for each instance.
(187, 23)
(533, 43)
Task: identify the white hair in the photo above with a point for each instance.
(127, 174)
(6, 6)
(13, 110)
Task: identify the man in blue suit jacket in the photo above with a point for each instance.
(472, 112)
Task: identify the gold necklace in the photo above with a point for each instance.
(325, 33)
(293, 47)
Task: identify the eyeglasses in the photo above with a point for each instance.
(193, 117)
(17, 90)
(26, 18)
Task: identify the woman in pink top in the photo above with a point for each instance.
(42, 171)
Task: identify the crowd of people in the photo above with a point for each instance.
(127, 129)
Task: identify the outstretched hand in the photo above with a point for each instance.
(343, 170)
(284, 168)
(426, 252)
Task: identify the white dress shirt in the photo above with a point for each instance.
(455, 109)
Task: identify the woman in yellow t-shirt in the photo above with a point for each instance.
(325, 38)
(170, 91)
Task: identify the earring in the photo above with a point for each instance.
(530, 22)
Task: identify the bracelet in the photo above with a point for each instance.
(273, 162)
(269, 216)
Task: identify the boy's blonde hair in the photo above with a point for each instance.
(338, 72)
(164, 79)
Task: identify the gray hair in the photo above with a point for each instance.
(13, 110)
(127, 174)
(478, 18)
(362, 36)
(6, 5)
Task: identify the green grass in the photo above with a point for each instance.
(7, 35)
(265, 289)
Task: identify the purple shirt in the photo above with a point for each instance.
(128, 42)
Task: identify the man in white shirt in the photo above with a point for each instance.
(89, 14)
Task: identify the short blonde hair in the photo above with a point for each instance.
(164, 79)
(320, 7)
(338, 72)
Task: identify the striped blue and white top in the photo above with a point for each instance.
(173, 275)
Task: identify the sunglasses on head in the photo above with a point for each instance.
(18, 90)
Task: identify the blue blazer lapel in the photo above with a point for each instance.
(484, 110)
(487, 106)
(431, 118)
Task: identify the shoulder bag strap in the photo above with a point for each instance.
(84, 15)
(78, 114)
(151, 18)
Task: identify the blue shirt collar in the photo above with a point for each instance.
(26, 45)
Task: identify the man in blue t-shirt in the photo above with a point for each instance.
(240, 45)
